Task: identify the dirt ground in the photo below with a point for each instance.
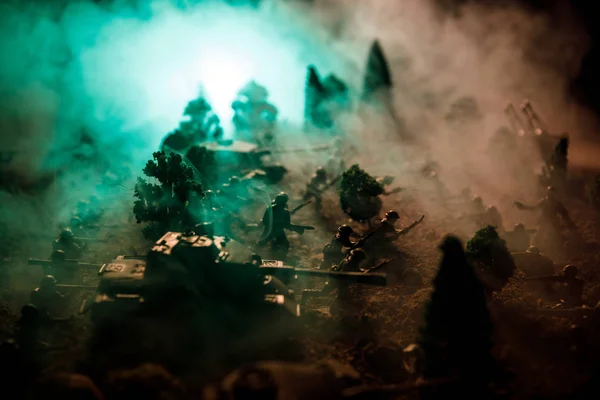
(546, 356)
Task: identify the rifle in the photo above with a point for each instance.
(69, 263)
(376, 267)
(410, 227)
(548, 278)
(301, 228)
(393, 191)
(301, 206)
(361, 242)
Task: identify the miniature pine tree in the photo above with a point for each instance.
(490, 253)
(377, 74)
(456, 335)
(314, 95)
(164, 204)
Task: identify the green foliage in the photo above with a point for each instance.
(205, 164)
(359, 193)
(489, 251)
(356, 182)
(164, 204)
(456, 335)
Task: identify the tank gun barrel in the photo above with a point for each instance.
(354, 277)
(86, 240)
(61, 286)
(323, 147)
(74, 263)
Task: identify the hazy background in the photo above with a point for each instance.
(110, 79)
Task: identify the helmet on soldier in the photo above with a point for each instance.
(358, 254)
(477, 200)
(66, 234)
(48, 283)
(321, 172)
(209, 194)
(281, 199)
(256, 259)
(234, 180)
(392, 215)
(519, 227)
(345, 230)
(58, 256)
(533, 250)
(570, 271)
(75, 222)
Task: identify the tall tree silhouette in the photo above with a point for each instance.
(377, 74)
(455, 337)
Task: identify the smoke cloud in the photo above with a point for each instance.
(119, 76)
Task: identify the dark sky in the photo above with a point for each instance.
(586, 85)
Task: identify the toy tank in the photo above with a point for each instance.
(200, 266)
(188, 297)
(235, 157)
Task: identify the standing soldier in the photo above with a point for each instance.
(549, 232)
(519, 239)
(66, 243)
(276, 220)
(46, 297)
(316, 186)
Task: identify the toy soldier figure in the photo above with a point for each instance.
(388, 229)
(316, 186)
(333, 252)
(494, 218)
(46, 297)
(386, 181)
(533, 263)
(351, 263)
(276, 220)
(549, 222)
(519, 239)
(570, 287)
(66, 243)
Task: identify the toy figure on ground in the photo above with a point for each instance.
(567, 286)
(533, 263)
(276, 220)
(317, 185)
(485, 216)
(519, 239)
(45, 297)
(351, 263)
(66, 243)
(552, 218)
(387, 228)
(386, 181)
